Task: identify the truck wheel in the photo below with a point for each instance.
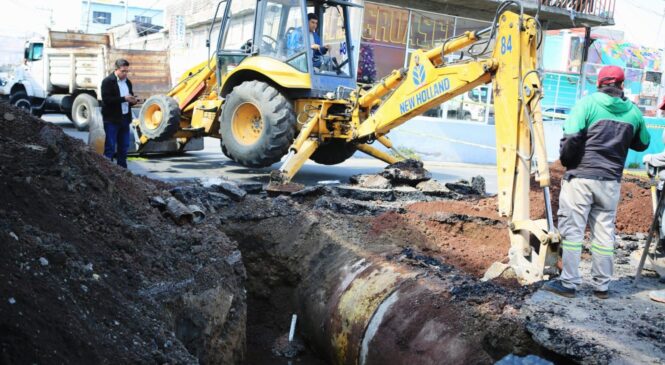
(257, 124)
(21, 100)
(83, 110)
(333, 152)
(159, 117)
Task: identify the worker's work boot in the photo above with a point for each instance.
(556, 287)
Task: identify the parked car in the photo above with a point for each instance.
(555, 113)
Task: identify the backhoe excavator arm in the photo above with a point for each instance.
(428, 82)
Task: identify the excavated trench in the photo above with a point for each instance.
(97, 268)
(375, 282)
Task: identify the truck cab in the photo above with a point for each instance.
(26, 81)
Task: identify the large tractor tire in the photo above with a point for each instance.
(159, 117)
(21, 100)
(257, 124)
(83, 110)
(333, 152)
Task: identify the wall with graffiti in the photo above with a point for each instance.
(624, 54)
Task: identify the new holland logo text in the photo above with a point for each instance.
(418, 75)
(423, 96)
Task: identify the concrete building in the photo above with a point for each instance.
(140, 36)
(97, 16)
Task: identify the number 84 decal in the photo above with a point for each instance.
(506, 45)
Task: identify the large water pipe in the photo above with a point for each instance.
(361, 303)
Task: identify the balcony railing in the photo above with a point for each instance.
(599, 8)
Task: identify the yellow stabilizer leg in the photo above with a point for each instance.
(293, 163)
(374, 152)
(304, 134)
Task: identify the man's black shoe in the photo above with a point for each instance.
(556, 287)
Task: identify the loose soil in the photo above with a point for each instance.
(634, 213)
(91, 273)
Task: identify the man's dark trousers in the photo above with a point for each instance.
(117, 140)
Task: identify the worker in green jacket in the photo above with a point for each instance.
(597, 135)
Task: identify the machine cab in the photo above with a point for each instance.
(310, 37)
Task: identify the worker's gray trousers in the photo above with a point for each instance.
(595, 202)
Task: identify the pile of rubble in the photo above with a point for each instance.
(92, 273)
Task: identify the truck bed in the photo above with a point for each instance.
(81, 61)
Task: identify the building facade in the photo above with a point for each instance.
(97, 16)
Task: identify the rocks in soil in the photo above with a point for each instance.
(251, 187)
(352, 207)
(208, 199)
(478, 184)
(283, 348)
(355, 193)
(409, 172)
(408, 193)
(315, 190)
(464, 187)
(231, 190)
(370, 181)
(435, 188)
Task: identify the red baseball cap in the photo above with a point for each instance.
(662, 105)
(610, 75)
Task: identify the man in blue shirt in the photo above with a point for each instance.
(318, 50)
(295, 41)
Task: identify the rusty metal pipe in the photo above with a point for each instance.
(359, 310)
(360, 307)
(366, 313)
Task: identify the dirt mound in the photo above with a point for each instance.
(91, 273)
(470, 233)
(449, 230)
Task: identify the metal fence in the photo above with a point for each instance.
(600, 8)
(560, 91)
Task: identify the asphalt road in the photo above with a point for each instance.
(210, 165)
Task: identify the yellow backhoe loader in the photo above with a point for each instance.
(272, 94)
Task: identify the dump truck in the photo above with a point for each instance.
(267, 95)
(62, 73)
